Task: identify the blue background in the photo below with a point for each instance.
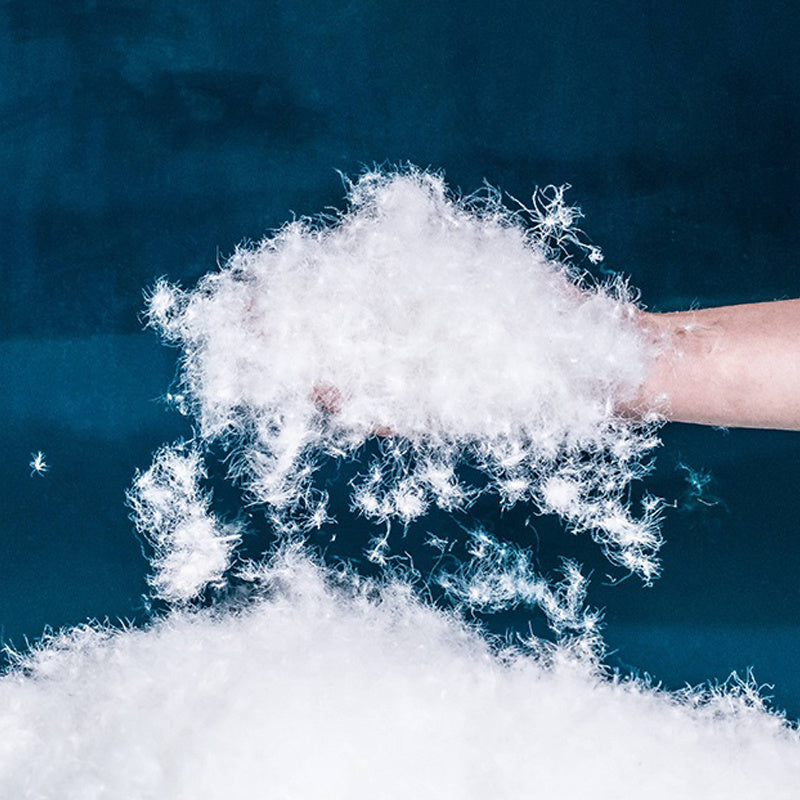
(140, 139)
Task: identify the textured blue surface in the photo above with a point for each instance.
(143, 138)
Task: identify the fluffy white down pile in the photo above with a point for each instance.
(446, 322)
(313, 691)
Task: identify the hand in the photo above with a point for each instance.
(328, 399)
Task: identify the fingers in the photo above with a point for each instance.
(328, 399)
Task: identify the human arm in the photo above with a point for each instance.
(734, 366)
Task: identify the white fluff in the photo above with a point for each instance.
(500, 576)
(191, 547)
(449, 324)
(312, 691)
(446, 322)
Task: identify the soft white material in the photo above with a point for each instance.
(310, 691)
(449, 324)
(500, 576)
(446, 322)
(191, 547)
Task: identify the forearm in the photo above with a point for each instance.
(735, 366)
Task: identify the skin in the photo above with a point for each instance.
(734, 366)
